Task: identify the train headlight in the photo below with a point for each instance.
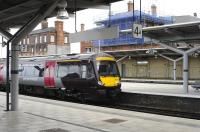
(100, 83)
(63, 89)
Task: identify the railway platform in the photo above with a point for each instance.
(155, 81)
(159, 89)
(44, 115)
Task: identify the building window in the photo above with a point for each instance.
(88, 50)
(40, 49)
(66, 39)
(24, 41)
(45, 38)
(28, 41)
(24, 48)
(40, 39)
(45, 49)
(36, 40)
(52, 38)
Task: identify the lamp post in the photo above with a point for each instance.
(140, 11)
(133, 12)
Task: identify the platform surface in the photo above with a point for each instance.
(160, 89)
(158, 81)
(44, 115)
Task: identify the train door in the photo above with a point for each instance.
(49, 75)
(1, 73)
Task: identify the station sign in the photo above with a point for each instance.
(137, 30)
(95, 34)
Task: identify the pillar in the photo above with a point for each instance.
(185, 72)
(174, 70)
(14, 77)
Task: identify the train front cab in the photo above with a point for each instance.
(109, 80)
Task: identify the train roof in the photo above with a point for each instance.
(90, 56)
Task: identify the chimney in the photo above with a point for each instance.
(82, 27)
(195, 14)
(130, 6)
(153, 10)
(59, 33)
(44, 24)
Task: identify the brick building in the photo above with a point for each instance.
(46, 41)
(85, 46)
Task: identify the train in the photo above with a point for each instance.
(84, 76)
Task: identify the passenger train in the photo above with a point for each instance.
(86, 76)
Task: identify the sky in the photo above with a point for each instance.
(88, 16)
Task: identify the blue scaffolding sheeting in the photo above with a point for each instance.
(125, 21)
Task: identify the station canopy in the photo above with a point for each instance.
(15, 13)
(182, 36)
(188, 33)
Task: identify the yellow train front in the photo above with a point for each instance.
(109, 81)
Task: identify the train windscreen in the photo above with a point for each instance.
(107, 68)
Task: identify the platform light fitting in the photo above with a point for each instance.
(151, 51)
(62, 12)
(195, 54)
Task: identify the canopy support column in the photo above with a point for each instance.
(174, 64)
(7, 35)
(23, 31)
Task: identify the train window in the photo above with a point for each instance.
(106, 68)
(74, 69)
(21, 69)
(90, 72)
(29, 71)
(64, 70)
(83, 71)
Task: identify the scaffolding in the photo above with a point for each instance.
(125, 21)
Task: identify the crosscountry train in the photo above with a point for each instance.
(84, 76)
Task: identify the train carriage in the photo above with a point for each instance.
(80, 75)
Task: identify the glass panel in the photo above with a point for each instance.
(79, 71)
(106, 68)
(84, 71)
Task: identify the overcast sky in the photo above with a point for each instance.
(164, 7)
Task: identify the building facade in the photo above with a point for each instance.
(85, 46)
(133, 52)
(45, 41)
